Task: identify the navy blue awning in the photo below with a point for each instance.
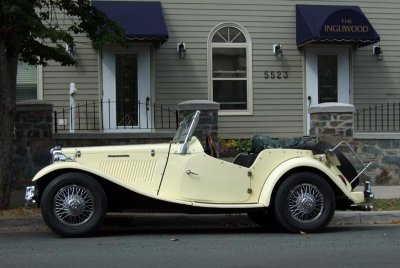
(324, 23)
(142, 21)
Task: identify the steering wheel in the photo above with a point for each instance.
(212, 148)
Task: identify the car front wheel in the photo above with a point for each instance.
(304, 202)
(73, 204)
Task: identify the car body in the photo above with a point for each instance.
(295, 188)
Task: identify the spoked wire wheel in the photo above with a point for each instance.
(306, 203)
(74, 205)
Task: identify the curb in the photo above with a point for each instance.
(341, 218)
(22, 224)
(366, 218)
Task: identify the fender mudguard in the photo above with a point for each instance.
(304, 162)
(60, 166)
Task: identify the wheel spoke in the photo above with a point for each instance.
(74, 205)
(306, 202)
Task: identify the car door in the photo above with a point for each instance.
(210, 180)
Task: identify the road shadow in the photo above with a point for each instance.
(139, 224)
(178, 223)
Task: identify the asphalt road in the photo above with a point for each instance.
(204, 244)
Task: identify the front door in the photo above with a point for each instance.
(126, 89)
(327, 76)
(209, 180)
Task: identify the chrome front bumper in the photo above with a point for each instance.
(30, 197)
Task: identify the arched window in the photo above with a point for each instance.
(229, 55)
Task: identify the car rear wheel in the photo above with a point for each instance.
(304, 202)
(73, 204)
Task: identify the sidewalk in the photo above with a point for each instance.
(383, 192)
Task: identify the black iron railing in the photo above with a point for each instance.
(378, 118)
(109, 115)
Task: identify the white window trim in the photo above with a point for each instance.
(248, 46)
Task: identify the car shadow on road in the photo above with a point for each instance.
(138, 224)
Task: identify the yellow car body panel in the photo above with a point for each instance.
(138, 168)
(304, 162)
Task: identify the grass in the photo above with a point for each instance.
(379, 205)
(386, 204)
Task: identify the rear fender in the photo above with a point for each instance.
(304, 163)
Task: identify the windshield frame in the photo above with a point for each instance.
(185, 130)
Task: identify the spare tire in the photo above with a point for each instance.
(346, 167)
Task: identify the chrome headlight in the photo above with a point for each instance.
(56, 154)
(30, 197)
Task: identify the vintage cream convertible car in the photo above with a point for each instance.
(297, 188)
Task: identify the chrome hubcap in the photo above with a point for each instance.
(306, 203)
(74, 205)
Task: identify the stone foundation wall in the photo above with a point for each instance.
(333, 122)
(385, 158)
(33, 138)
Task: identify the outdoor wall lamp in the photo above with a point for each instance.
(277, 49)
(70, 48)
(377, 51)
(181, 49)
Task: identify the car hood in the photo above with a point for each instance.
(76, 153)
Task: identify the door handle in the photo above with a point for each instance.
(189, 172)
(309, 101)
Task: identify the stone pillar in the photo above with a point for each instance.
(208, 122)
(332, 122)
(33, 140)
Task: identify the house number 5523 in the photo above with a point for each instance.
(276, 75)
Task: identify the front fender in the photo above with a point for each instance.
(64, 166)
(60, 166)
(303, 162)
(75, 166)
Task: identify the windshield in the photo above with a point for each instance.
(186, 127)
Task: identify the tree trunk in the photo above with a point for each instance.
(8, 76)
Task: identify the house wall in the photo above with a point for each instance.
(377, 82)
(279, 105)
(85, 75)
